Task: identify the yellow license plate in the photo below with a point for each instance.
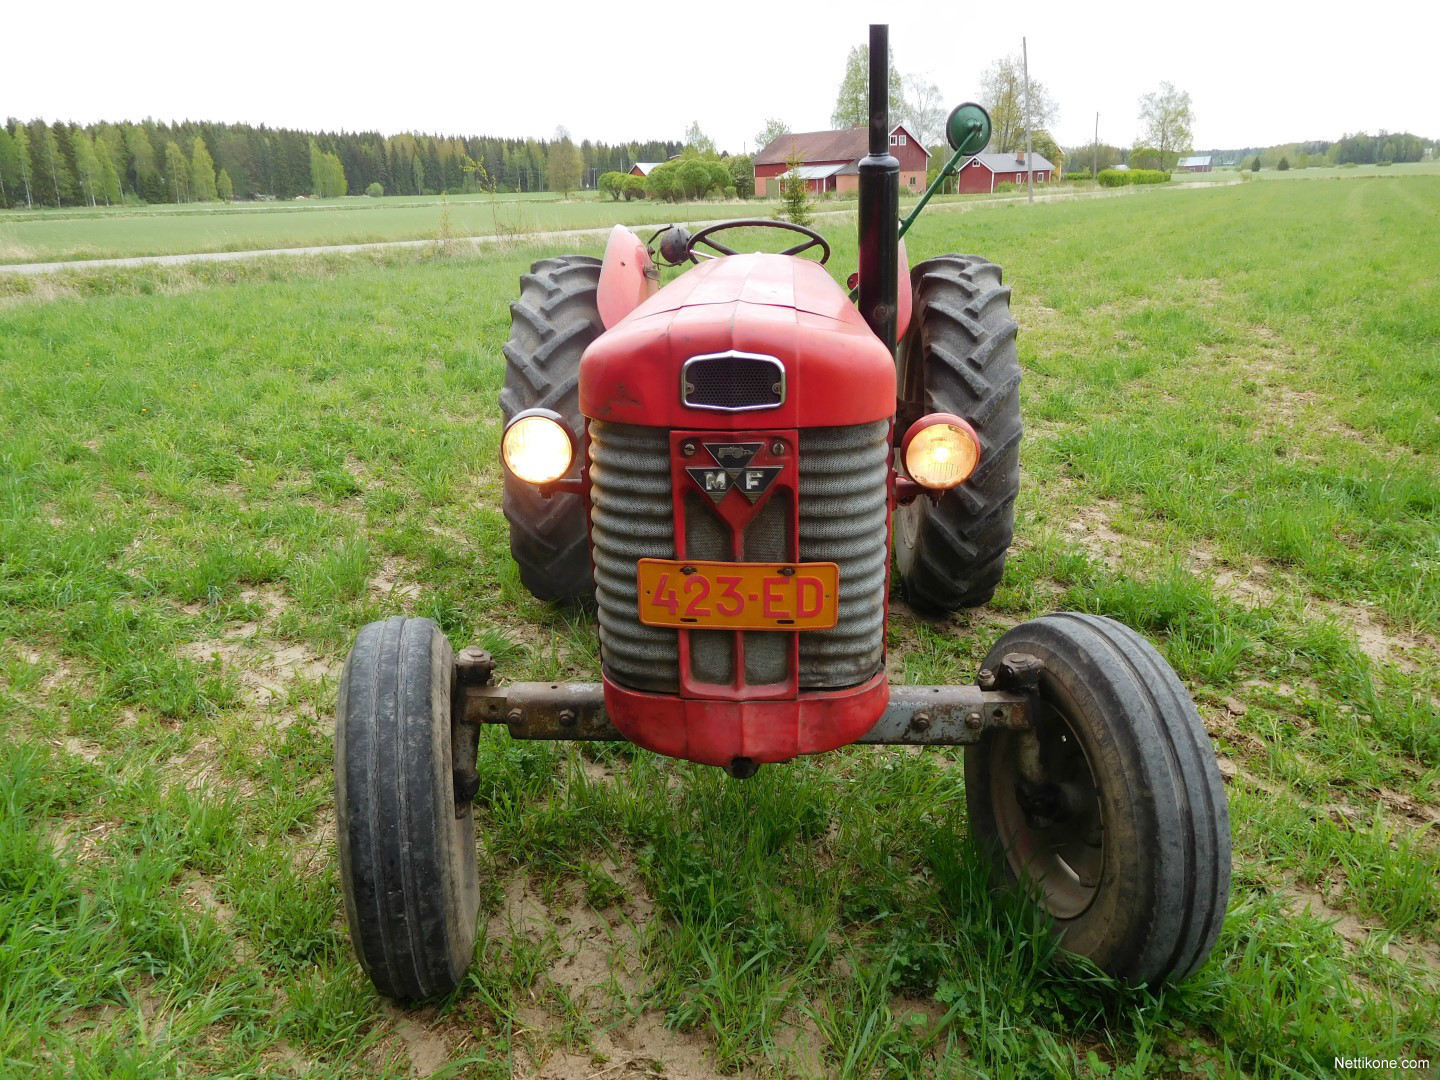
(739, 596)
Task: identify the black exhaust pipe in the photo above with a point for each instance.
(879, 201)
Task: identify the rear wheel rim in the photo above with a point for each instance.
(1052, 833)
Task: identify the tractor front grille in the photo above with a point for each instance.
(631, 518)
(843, 519)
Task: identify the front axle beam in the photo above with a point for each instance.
(916, 715)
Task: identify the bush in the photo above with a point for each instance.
(1383, 164)
(1077, 174)
(634, 187)
(375, 190)
(1006, 185)
(613, 183)
(1127, 177)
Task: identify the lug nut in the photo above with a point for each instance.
(986, 679)
(568, 717)
(514, 716)
(972, 721)
(921, 722)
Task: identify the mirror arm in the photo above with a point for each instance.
(940, 178)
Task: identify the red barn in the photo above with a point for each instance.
(644, 168)
(831, 159)
(986, 171)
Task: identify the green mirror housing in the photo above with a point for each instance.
(968, 128)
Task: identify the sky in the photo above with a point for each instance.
(1258, 73)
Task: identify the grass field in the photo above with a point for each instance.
(210, 476)
(72, 233)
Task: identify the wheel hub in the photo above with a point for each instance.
(1048, 811)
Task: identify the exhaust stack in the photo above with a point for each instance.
(879, 201)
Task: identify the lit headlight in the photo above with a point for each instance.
(940, 451)
(537, 447)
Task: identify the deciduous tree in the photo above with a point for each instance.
(852, 103)
(772, 130)
(202, 172)
(87, 165)
(177, 172)
(563, 164)
(23, 162)
(225, 190)
(923, 110)
(697, 140)
(1166, 120)
(1002, 92)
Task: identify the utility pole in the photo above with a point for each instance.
(1095, 160)
(1029, 150)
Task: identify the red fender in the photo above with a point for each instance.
(903, 301)
(627, 276)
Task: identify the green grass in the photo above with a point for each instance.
(69, 234)
(78, 233)
(211, 476)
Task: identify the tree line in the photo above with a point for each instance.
(58, 164)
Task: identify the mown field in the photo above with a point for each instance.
(210, 476)
(71, 234)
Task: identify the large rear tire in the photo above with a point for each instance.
(959, 357)
(1114, 814)
(556, 317)
(407, 860)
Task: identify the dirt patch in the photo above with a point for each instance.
(1089, 529)
(1304, 898)
(316, 848)
(392, 582)
(1250, 586)
(423, 1046)
(598, 966)
(200, 894)
(266, 668)
(1406, 651)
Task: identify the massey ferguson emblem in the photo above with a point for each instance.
(734, 472)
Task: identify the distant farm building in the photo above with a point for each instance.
(830, 160)
(644, 168)
(1194, 163)
(986, 172)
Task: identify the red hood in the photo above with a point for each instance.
(837, 371)
(774, 280)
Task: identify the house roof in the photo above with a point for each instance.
(646, 167)
(1192, 161)
(846, 144)
(818, 172)
(998, 163)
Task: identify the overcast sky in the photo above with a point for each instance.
(1258, 73)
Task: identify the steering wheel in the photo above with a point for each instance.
(704, 237)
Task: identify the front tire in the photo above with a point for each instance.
(959, 357)
(556, 317)
(1125, 838)
(407, 860)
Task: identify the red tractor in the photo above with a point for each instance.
(725, 468)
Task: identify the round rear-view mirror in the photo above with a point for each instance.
(968, 128)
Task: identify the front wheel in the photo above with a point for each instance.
(1111, 809)
(407, 859)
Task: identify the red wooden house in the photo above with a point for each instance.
(831, 159)
(987, 171)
